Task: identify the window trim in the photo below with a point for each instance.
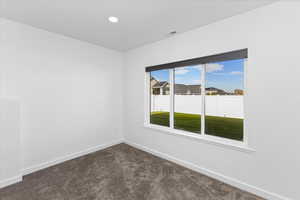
(208, 139)
(224, 142)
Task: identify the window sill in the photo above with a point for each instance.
(227, 143)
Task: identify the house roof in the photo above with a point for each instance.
(180, 89)
(213, 89)
(194, 89)
(152, 78)
(185, 89)
(160, 84)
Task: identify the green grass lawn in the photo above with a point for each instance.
(231, 128)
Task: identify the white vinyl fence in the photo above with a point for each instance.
(224, 106)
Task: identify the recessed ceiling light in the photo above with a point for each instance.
(113, 19)
(172, 32)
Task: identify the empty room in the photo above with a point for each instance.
(149, 99)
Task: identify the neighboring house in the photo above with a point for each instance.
(161, 88)
(214, 91)
(155, 86)
(238, 92)
(194, 89)
(182, 89)
(153, 81)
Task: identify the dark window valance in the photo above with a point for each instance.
(232, 55)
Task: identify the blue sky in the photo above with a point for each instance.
(227, 75)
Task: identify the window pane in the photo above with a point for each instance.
(187, 99)
(160, 97)
(224, 99)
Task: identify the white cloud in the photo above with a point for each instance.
(181, 71)
(214, 67)
(198, 81)
(236, 73)
(198, 67)
(221, 73)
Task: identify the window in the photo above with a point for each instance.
(224, 99)
(187, 98)
(160, 97)
(203, 96)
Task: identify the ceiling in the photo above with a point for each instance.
(141, 21)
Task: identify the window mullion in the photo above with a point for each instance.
(171, 78)
(203, 99)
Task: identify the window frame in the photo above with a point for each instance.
(220, 141)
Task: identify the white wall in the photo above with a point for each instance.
(215, 105)
(68, 91)
(271, 34)
(10, 155)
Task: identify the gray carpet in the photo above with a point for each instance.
(120, 172)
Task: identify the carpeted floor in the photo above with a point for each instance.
(120, 172)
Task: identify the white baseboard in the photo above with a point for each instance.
(10, 181)
(69, 157)
(231, 181)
